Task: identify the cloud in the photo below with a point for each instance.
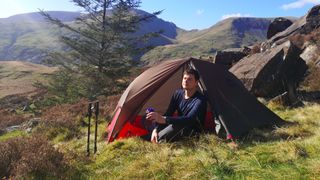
(235, 15)
(199, 12)
(299, 4)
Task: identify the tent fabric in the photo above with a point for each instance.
(237, 109)
(140, 90)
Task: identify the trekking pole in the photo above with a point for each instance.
(96, 126)
(89, 119)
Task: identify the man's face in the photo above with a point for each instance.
(189, 82)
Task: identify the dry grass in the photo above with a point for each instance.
(108, 105)
(300, 39)
(311, 81)
(8, 118)
(289, 152)
(32, 157)
(18, 77)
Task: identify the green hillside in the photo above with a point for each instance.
(229, 33)
(28, 37)
(18, 77)
(28, 41)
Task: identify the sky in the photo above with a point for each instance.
(186, 14)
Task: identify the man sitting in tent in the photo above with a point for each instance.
(190, 106)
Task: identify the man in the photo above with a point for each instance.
(191, 107)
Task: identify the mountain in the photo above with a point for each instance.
(229, 33)
(28, 37)
(37, 17)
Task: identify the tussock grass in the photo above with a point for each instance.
(12, 134)
(287, 152)
(18, 77)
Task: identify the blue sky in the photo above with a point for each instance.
(187, 14)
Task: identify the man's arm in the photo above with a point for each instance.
(170, 110)
(198, 108)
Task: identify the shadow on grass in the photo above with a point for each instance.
(287, 131)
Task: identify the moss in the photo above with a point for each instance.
(12, 134)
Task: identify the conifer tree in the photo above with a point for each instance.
(101, 43)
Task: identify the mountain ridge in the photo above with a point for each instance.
(228, 33)
(31, 40)
(20, 31)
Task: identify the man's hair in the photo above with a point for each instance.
(194, 72)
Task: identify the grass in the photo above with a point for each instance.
(19, 77)
(289, 152)
(12, 134)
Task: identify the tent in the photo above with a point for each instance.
(235, 109)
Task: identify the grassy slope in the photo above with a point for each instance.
(18, 77)
(286, 153)
(27, 40)
(229, 33)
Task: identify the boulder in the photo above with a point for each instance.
(32, 123)
(278, 25)
(229, 57)
(304, 25)
(13, 128)
(311, 54)
(312, 20)
(272, 72)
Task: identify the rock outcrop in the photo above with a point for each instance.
(304, 25)
(272, 72)
(311, 55)
(281, 64)
(229, 57)
(312, 20)
(278, 25)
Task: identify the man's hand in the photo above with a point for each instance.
(154, 136)
(156, 117)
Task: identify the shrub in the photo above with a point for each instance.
(13, 102)
(313, 37)
(108, 105)
(10, 119)
(66, 87)
(298, 40)
(311, 82)
(33, 157)
(255, 49)
(66, 117)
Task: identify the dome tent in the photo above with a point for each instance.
(237, 110)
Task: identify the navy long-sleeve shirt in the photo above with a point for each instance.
(191, 111)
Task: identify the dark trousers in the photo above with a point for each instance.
(172, 133)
